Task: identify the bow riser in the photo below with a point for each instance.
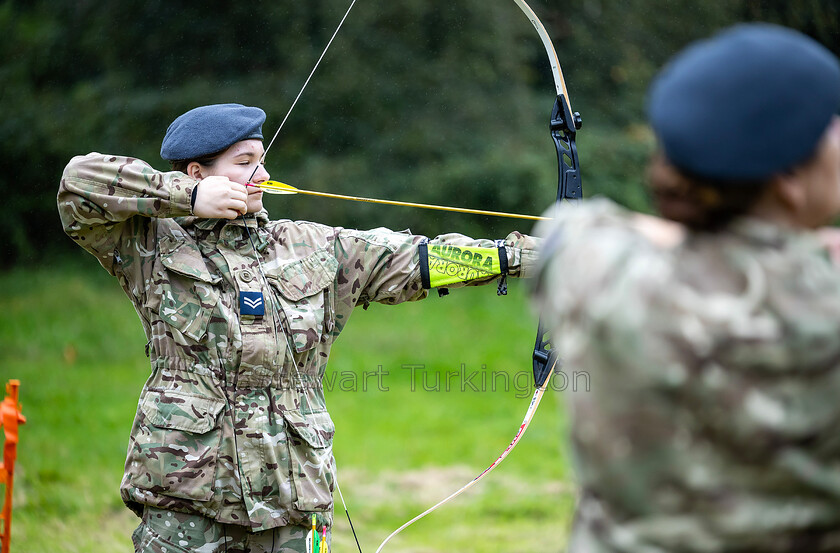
(564, 125)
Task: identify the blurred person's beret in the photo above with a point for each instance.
(209, 129)
(745, 104)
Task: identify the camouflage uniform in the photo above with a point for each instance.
(232, 424)
(165, 531)
(713, 416)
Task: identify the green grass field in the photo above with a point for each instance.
(413, 425)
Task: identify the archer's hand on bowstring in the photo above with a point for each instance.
(220, 198)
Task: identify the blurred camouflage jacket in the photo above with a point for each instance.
(232, 423)
(712, 422)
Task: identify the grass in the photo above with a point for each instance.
(402, 443)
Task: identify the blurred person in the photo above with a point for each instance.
(711, 334)
(231, 446)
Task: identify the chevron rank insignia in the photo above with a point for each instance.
(251, 303)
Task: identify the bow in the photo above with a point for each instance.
(564, 125)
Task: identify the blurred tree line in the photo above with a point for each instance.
(442, 102)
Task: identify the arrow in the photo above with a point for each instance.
(275, 187)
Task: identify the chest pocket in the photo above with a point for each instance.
(185, 287)
(303, 288)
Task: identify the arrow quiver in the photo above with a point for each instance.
(10, 418)
(564, 126)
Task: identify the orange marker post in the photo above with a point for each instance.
(10, 418)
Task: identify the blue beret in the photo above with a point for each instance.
(210, 129)
(746, 104)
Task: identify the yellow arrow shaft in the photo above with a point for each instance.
(271, 187)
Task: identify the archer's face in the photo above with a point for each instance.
(238, 163)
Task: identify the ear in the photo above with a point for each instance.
(790, 190)
(194, 170)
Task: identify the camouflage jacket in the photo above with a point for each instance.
(232, 423)
(712, 416)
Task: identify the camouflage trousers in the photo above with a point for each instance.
(163, 531)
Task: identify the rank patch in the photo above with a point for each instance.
(251, 303)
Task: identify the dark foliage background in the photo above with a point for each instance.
(443, 102)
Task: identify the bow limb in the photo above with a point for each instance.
(554, 60)
(529, 415)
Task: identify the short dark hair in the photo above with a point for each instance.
(700, 203)
(207, 161)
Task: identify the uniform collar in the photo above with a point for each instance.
(765, 233)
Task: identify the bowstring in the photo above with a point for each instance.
(300, 92)
(262, 162)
